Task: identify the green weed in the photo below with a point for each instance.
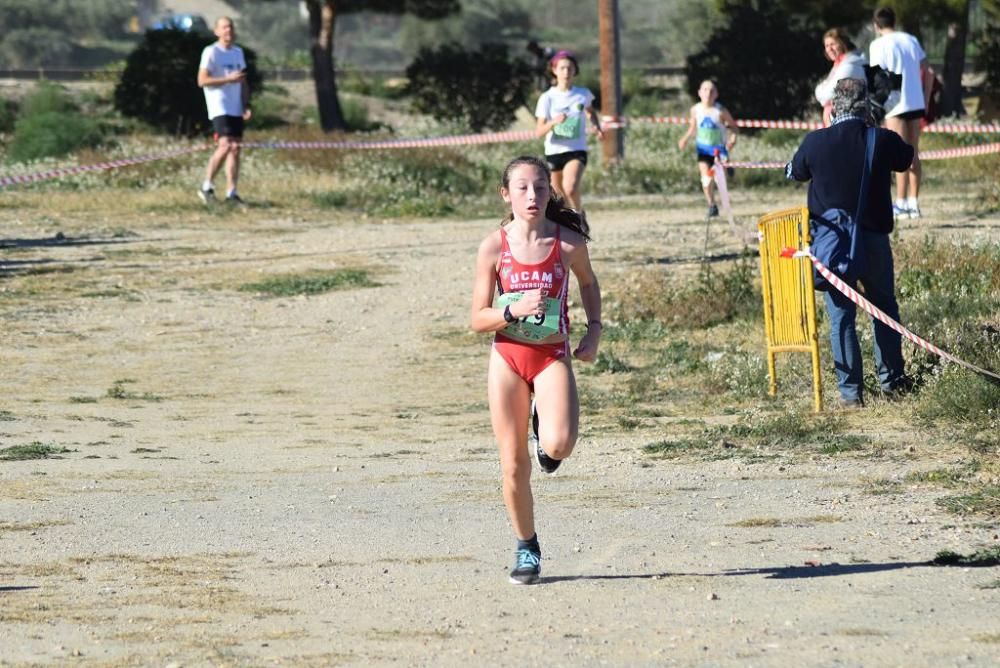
(292, 285)
(982, 500)
(118, 391)
(675, 448)
(762, 435)
(608, 363)
(35, 450)
(989, 556)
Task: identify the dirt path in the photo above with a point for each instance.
(312, 481)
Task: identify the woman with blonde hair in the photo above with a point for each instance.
(848, 63)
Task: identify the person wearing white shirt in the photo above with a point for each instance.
(848, 63)
(901, 54)
(561, 117)
(222, 74)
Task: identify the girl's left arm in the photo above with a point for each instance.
(590, 296)
(596, 120)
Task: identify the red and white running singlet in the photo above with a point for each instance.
(549, 275)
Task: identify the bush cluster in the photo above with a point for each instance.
(481, 88)
(49, 125)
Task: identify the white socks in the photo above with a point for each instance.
(911, 204)
(206, 185)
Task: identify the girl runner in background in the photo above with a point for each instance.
(714, 131)
(528, 262)
(561, 112)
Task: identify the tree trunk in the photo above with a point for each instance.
(954, 65)
(322, 22)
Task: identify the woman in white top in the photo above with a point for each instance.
(562, 113)
(848, 63)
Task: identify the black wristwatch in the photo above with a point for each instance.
(507, 315)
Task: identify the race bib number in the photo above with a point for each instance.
(532, 328)
(571, 128)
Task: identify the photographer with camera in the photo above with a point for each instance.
(835, 160)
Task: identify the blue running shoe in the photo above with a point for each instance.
(527, 567)
(899, 212)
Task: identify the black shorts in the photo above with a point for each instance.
(559, 160)
(707, 159)
(228, 126)
(916, 114)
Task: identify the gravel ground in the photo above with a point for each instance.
(313, 481)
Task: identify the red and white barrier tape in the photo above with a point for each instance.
(939, 154)
(878, 313)
(459, 140)
(949, 128)
(96, 167)
(719, 172)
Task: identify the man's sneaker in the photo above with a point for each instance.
(234, 199)
(900, 212)
(546, 463)
(914, 213)
(902, 387)
(713, 211)
(527, 567)
(206, 196)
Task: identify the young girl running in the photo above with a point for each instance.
(561, 112)
(527, 262)
(714, 131)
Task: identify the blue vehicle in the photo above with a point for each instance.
(185, 22)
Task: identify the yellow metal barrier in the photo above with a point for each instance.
(789, 297)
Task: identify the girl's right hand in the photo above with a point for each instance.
(532, 303)
(559, 118)
(681, 142)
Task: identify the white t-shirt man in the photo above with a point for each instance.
(227, 99)
(571, 134)
(900, 53)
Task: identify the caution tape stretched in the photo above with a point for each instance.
(941, 128)
(879, 314)
(458, 140)
(96, 167)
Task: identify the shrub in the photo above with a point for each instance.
(713, 298)
(50, 125)
(777, 81)
(480, 88)
(988, 61)
(159, 84)
(35, 47)
(8, 115)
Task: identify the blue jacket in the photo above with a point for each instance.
(833, 159)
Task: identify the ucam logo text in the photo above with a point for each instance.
(541, 278)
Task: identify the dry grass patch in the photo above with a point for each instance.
(774, 522)
(31, 526)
